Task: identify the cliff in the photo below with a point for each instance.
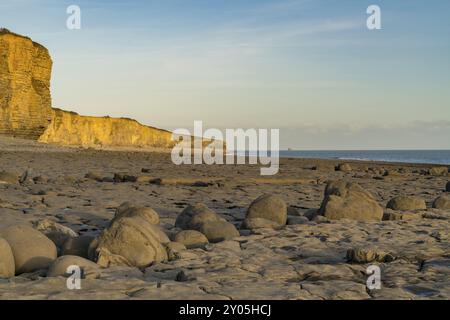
(69, 128)
(25, 72)
(26, 112)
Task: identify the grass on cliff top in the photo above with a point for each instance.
(4, 31)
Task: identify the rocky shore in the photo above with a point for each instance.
(140, 227)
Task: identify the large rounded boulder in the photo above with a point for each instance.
(147, 214)
(60, 267)
(347, 200)
(406, 203)
(32, 250)
(78, 246)
(442, 202)
(217, 231)
(56, 232)
(268, 207)
(194, 216)
(191, 239)
(7, 266)
(129, 241)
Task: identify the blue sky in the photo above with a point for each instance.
(308, 67)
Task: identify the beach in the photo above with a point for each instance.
(310, 257)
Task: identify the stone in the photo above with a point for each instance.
(162, 236)
(8, 178)
(442, 202)
(269, 207)
(147, 214)
(346, 200)
(78, 246)
(311, 213)
(173, 250)
(124, 177)
(259, 223)
(144, 179)
(297, 220)
(216, 231)
(25, 101)
(344, 167)
(59, 267)
(56, 232)
(191, 239)
(326, 167)
(401, 215)
(438, 171)
(7, 266)
(368, 255)
(406, 203)
(94, 176)
(129, 241)
(32, 250)
(194, 216)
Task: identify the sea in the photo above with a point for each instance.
(404, 156)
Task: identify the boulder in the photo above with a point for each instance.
(438, 171)
(368, 255)
(442, 202)
(391, 215)
(129, 241)
(191, 239)
(7, 266)
(259, 223)
(56, 232)
(326, 167)
(94, 176)
(194, 216)
(216, 231)
(147, 214)
(269, 207)
(347, 200)
(173, 249)
(406, 203)
(124, 177)
(32, 250)
(297, 220)
(59, 267)
(344, 167)
(8, 178)
(78, 246)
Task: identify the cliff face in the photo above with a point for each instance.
(69, 128)
(25, 105)
(25, 72)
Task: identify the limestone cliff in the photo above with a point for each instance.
(25, 71)
(25, 105)
(69, 128)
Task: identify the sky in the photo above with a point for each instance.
(310, 68)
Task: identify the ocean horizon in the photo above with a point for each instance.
(441, 157)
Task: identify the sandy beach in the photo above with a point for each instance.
(312, 257)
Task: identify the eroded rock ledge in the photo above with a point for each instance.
(26, 108)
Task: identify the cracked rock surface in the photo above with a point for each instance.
(311, 258)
